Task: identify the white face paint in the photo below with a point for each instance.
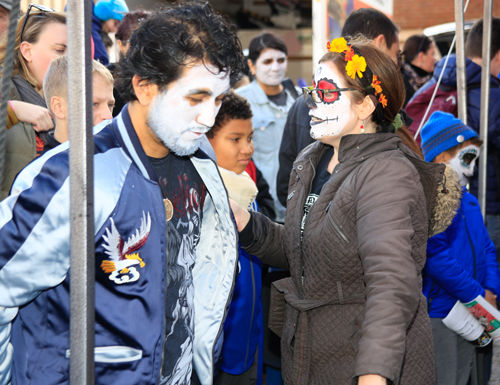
(270, 67)
(331, 115)
(464, 161)
(186, 110)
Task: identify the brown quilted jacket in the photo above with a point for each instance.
(353, 304)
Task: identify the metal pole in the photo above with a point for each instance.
(320, 30)
(461, 81)
(82, 311)
(485, 103)
(8, 66)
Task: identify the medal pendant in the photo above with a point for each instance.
(169, 209)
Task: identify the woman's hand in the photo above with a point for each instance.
(491, 298)
(39, 117)
(372, 379)
(241, 215)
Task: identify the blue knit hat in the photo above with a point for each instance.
(110, 9)
(442, 132)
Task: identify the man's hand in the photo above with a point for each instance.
(372, 379)
(491, 298)
(241, 215)
(30, 113)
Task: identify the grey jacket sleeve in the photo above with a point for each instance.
(268, 241)
(388, 196)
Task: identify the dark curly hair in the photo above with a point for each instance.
(178, 35)
(233, 107)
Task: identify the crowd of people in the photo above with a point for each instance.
(214, 173)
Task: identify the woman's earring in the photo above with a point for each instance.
(362, 127)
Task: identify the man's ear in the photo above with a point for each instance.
(144, 90)
(57, 107)
(26, 51)
(380, 42)
(366, 108)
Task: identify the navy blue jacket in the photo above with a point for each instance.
(473, 73)
(449, 271)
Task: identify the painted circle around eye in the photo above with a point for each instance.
(328, 97)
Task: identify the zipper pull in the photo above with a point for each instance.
(302, 276)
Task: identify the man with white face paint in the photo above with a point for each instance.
(461, 262)
(165, 242)
(270, 101)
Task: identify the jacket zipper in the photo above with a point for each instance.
(302, 259)
(165, 299)
(432, 298)
(338, 229)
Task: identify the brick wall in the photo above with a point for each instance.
(419, 14)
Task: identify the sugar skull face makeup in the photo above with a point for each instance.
(464, 161)
(270, 67)
(330, 116)
(182, 114)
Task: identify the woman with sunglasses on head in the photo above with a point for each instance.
(271, 97)
(419, 61)
(359, 213)
(40, 38)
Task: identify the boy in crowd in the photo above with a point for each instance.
(461, 261)
(231, 139)
(55, 90)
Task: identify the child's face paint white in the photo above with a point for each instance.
(464, 162)
(270, 67)
(331, 115)
(186, 110)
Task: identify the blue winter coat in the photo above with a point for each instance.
(449, 270)
(473, 73)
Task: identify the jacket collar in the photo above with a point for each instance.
(362, 146)
(127, 137)
(473, 72)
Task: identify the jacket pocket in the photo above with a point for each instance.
(337, 228)
(114, 354)
(277, 311)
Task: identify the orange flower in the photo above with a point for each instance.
(328, 45)
(349, 53)
(376, 85)
(382, 100)
(337, 45)
(356, 66)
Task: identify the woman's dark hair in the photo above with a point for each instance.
(177, 36)
(129, 24)
(414, 45)
(264, 41)
(381, 65)
(233, 107)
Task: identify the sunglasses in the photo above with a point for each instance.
(43, 10)
(319, 95)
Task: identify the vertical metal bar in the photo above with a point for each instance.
(320, 31)
(461, 81)
(82, 313)
(485, 103)
(8, 65)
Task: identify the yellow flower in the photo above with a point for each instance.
(337, 45)
(356, 65)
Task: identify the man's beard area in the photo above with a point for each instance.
(172, 138)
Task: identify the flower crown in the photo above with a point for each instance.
(356, 65)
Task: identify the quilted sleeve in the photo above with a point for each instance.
(267, 243)
(387, 198)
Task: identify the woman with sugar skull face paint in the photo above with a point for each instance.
(355, 233)
(270, 102)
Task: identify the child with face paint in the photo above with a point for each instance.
(270, 102)
(231, 138)
(355, 233)
(461, 261)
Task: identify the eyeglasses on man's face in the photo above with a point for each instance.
(42, 8)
